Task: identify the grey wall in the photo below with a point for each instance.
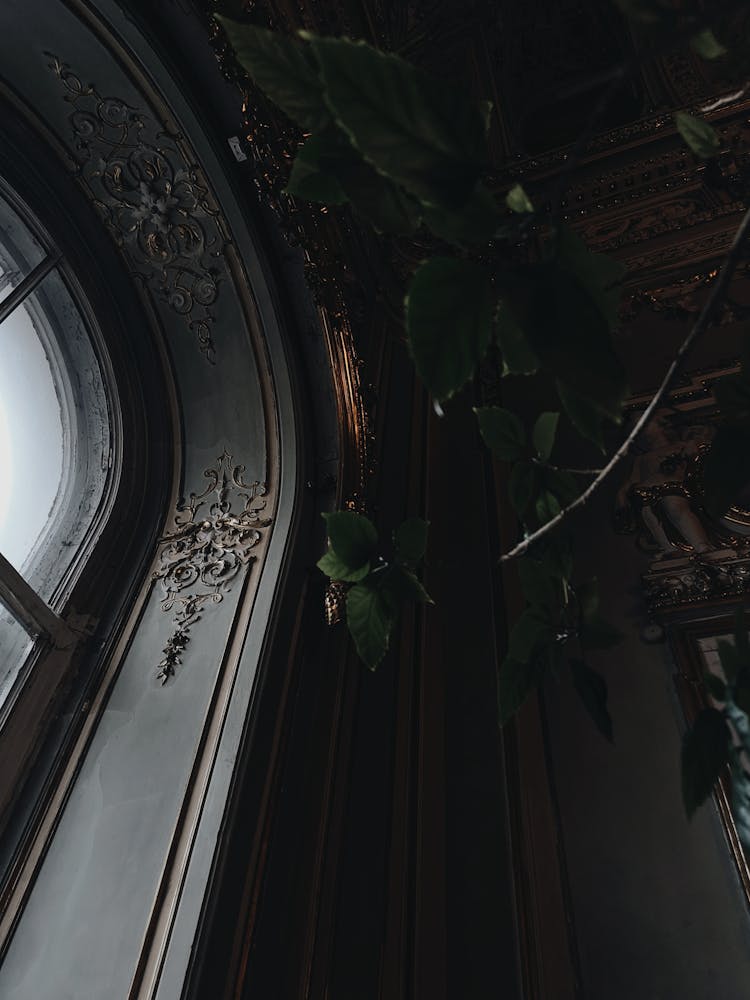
(657, 905)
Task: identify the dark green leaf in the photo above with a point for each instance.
(595, 632)
(472, 224)
(600, 275)
(403, 585)
(418, 130)
(337, 569)
(698, 135)
(515, 682)
(592, 689)
(546, 506)
(518, 358)
(353, 537)
(543, 435)
(411, 540)
(563, 484)
(707, 45)
(531, 631)
(517, 200)
(569, 333)
(726, 469)
(586, 419)
(449, 322)
(285, 70)
(329, 169)
(557, 556)
(311, 179)
(642, 11)
(522, 484)
(502, 432)
(538, 585)
(715, 686)
(705, 752)
(370, 618)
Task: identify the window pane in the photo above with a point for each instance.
(20, 251)
(31, 436)
(15, 646)
(54, 435)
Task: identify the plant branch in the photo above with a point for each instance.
(561, 468)
(701, 324)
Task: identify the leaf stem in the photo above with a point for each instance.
(699, 327)
(561, 468)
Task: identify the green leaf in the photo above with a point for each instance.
(311, 179)
(518, 358)
(370, 618)
(515, 682)
(502, 432)
(403, 585)
(546, 506)
(418, 130)
(329, 169)
(557, 556)
(586, 419)
(472, 224)
(707, 45)
(531, 631)
(600, 275)
(543, 435)
(715, 686)
(522, 485)
(411, 540)
(353, 537)
(698, 135)
(642, 11)
(449, 322)
(517, 200)
(567, 330)
(563, 484)
(705, 752)
(595, 632)
(726, 469)
(337, 569)
(592, 689)
(539, 586)
(284, 69)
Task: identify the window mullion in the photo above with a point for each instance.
(27, 286)
(23, 602)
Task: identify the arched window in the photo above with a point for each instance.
(55, 439)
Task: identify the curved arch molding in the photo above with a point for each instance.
(109, 900)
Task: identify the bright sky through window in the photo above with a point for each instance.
(31, 436)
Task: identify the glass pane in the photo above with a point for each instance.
(15, 646)
(54, 437)
(20, 251)
(31, 434)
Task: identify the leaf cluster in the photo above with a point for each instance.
(378, 589)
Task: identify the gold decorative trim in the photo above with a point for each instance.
(209, 545)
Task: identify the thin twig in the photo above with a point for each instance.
(560, 468)
(721, 102)
(701, 324)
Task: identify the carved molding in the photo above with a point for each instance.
(153, 201)
(210, 545)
